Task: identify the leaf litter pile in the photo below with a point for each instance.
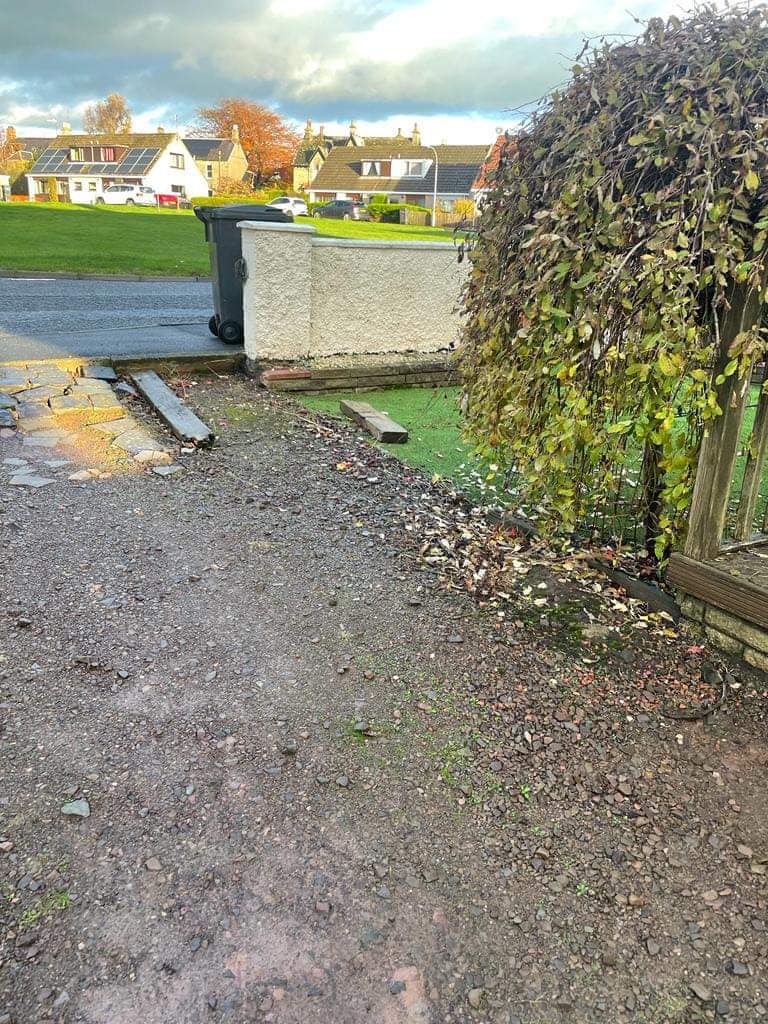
(528, 588)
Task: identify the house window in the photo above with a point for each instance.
(178, 190)
(414, 169)
(77, 155)
(209, 170)
(372, 168)
(78, 186)
(177, 161)
(108, 154)
(91, 186)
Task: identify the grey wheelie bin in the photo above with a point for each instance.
(227, 266)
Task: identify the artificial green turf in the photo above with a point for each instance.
(132, 240)
(432, 418)
(435, 444)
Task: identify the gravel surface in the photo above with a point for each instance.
(274, 750)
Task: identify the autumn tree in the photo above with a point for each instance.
(109, 117)
(269, 142)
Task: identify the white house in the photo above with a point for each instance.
(84, 165)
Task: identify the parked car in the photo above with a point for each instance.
(289, 204)
(127, 195)
(342, 209)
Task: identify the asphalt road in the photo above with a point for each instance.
(42, 318)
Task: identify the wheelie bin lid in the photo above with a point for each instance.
(242, 211)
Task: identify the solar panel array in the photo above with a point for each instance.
(56, 161)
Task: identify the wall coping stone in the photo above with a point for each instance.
(378, 243)
(273, 225)
(341, 243)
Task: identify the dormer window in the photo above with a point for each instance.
(96, 154)
(377, 168)
(415, 169)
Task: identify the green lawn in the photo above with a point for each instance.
(130, 240)
(433, 420)
(435, 445)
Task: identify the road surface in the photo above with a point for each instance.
(45, 318)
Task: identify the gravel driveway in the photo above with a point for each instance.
(322, 787)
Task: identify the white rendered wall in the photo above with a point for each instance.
(309, 296)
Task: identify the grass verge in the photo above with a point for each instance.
(130, 240)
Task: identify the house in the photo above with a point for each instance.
(504, 145)
(401, 172)
(315, 147)
(82, 166)
(219, 160)
(17, 154)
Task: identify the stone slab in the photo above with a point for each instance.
(114, 427)
(134, 441)
(105, 373)
(30, 480)
(7, 401)
(70, 403)
(7, 419)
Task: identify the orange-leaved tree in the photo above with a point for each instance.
(269, 142)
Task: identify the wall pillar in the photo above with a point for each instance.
(277, 295)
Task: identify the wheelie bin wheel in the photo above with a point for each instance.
(213, 326)
(230, 332)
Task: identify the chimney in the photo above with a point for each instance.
(160, 130)
(235, 133)
(399, 133)
(66, 128)
(308, 131)
(10, 134)
(321, 134)
(416, 137)
(356, 139)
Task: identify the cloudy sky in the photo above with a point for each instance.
(456, 68)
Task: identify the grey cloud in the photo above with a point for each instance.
(184, 55)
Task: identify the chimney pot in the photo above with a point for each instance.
(235, 133)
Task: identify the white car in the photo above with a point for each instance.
(127, 195)
(289, 204)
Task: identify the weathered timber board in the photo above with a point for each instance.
(363, 381)
(719, 588)
(382, 370)
(376, 423)
(171, 410)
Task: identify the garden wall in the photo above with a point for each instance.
(728, 632)
(307, 296)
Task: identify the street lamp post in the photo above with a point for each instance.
(434, 190)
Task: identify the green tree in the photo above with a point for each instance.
(631, 218)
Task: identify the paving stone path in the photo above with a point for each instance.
(57, 425)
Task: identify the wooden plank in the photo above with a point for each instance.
(172, 411)
(380, 370)
(711, 584)
(381, 426)
(753, 472)
(717, 456)
(757, 540)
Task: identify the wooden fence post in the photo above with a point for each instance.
(717, 456)
(753, 472)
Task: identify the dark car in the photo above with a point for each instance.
(342, 209)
